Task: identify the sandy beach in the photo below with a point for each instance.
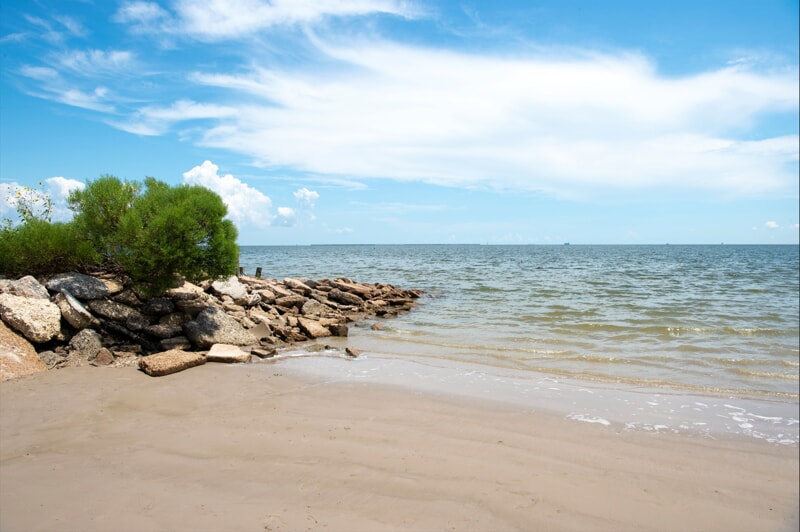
(261, 448)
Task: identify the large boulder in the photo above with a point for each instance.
(312, 328)
(37, 319)
(17, 355)
(79, 285)
(113, 310)
(27, 286)
(214, 326)
(85, 345)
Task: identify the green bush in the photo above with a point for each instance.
(38, 247)
(153, 232)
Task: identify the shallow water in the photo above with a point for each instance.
(714, 322)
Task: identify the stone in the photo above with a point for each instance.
(213, 326)
(338, 329)
(160, 330)
(186, 291)
(52, 359)
(113, 310)
(192, 307)
(227, 353)
(293, 300)
(127, 297)
(73, 310)
(352, 352)
(36, 319)
(312, 307)
(84, 287)
(104, 357)
(27, 286)
(264, 352)
(345, 285)
(312, 328)
(176, 319)
(178, 342)
(230, 287)
(85, 344)
(158, 306)
(345, 297)
(17, 356)
(169, 362)
(297, 285)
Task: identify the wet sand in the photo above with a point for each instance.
(265, 448)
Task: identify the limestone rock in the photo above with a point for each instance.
(297, 285)
(37, 319)
(73, 311)
(230, 287)
(312, 328)
(79, 285)
(17, 356)
(104, 357)
(345, 297)
(227, 353)
(158, 306)
(168, 362)
(213, 326)
(293, 300)
(27, 286)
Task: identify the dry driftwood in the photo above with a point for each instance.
(170, 361)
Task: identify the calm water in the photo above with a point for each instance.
(705, 323)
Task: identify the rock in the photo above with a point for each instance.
(169, 362)
(104, 357)
(345, 285)
(82, 286)
(312, 307)
(264, 352)
(230, 287)
(85, 344)
(227, 353)
(312, 328)
(192, 307)
(297, 285)
(127, 297)
(27, 286)
(52, 359)
(352, 352)
(293, 300)
(37, 319)
(213, 326)
(158, 306)
(73, 310)
(178, 342)
(338, 329)
(185, 292)
(163, 331)
(17, 356)
(345, 297)
(377, 326)
(113, 310)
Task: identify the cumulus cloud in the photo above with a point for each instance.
(246, 205)
(285, 217)
(306, 197)
(771, 225)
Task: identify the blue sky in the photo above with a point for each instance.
(394, 121)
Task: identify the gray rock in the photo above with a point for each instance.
(338, 329)
(113, 310)
(85, 344)
(213, 326)
(158, 306)
(178, 342)
(36, 319)
(192, 307)
(312, 307)
(73, 310)
(293, 300)
(79, 285)
(27, 286)
(230, 287)
(52, 359)
(163, 331)
(104, 357)
(127, 297)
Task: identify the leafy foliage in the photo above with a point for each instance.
(152, 231)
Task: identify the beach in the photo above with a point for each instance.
(266, 447)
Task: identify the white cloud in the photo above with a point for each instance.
(152, 120)
(96, 62)
(246, 205)
(572, 127)
(285, 217)
(223, 19)
(306, 197)
(771, 225)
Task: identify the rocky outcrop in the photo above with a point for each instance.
(17, 356)
(76, 319)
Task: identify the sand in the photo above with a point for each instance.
(260, 448)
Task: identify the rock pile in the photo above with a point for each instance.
(74, 319)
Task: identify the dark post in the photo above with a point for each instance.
(241, 270)
(258, 272)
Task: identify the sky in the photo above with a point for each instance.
(410, 121)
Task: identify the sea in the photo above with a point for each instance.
(695, 339)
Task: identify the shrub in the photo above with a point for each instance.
(38, 247)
